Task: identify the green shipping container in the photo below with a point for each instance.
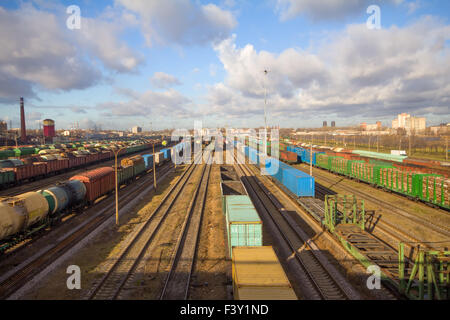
(244, 227)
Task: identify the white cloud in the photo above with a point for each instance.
(164, 104)
(324, 10)
(164, 80)
(181, 21)
(101, 39)
(38, 51)
(362, 73)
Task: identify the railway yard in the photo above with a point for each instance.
(208, 229)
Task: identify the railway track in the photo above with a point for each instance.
(111, 284)
(442, 230)
(176, 284)
(324, 280)
(51, 180)
(14, 280)
(437, 228)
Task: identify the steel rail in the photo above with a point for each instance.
(326, 280)
(176, 284)
(13, 282)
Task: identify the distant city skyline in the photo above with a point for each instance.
(172, 62)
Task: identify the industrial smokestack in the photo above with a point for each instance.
(23, 129)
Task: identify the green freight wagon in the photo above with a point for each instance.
(5, 154)
(322, 161)
(6, 177)
(244, 227)
(432, 188)
(24, 151)
(124, 174)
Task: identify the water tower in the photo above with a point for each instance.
(49, 130)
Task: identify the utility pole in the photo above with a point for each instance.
(378, 143)
(265, 114)
(154, 170)
(369, 141)
(116, 153)
(409, 152)
(310, 161)
(446, 148)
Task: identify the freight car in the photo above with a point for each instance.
(48, 162)
(21, 212)
(98, 182)
(244, 226)
(258, 275)
(432, 189)
(26, 214)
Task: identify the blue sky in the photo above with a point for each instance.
(168, 63)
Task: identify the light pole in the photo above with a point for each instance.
(154, 170)
(265, 114)
(116, 152)
(310, 160)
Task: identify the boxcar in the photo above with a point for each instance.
(98, 182)
(258, 275)
(288, 156)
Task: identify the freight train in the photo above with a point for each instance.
(432, 189)
(55, 161)
(256, 271)
(294, 181)
(389, 172)
(26, 214)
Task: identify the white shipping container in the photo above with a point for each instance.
(159, 158)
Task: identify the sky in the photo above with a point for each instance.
(166, 63)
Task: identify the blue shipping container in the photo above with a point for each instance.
(298, 182)
(148, 159)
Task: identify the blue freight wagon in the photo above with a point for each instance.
(298, 182)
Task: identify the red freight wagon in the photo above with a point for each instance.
(105, 155)
(30, 171)
(288, 156)
(91, 158)
(98, 182)
(57, 165)
(77, 161)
